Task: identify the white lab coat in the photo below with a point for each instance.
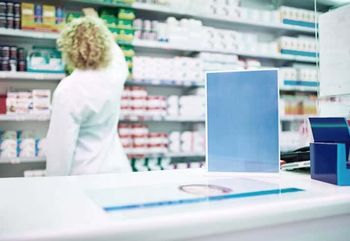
(82, 137)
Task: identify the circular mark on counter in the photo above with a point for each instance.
(204, 189)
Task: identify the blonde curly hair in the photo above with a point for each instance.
(86, 44)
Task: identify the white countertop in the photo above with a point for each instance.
(63, 208)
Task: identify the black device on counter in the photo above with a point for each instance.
(298, 155)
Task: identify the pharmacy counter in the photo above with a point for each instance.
(174, 205)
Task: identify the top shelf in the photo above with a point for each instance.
(156, 8)
(237, 22)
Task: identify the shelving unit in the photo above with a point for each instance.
(167, 49)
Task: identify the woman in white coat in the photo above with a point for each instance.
(82, 137)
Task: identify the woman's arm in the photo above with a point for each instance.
(118, 63)
(62, 136)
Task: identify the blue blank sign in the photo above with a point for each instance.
(242, 121)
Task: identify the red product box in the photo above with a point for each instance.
(2, 104)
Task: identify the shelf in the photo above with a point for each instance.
(30, 76)
(299, 88)
(166, 46)
(300, 85)
(255, 24)
(295, 117)
(46, 117)
(237, 22)
(169, 154)
(167, 83)
(174, 155)
(17, 160)
(104, 3)
(132, 118)
(187, 13)
(295, 165)
(184, 119)
(161, 45)
(172, 47)
(28, 34)
(24, 117)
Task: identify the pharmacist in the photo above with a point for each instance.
(82, 137)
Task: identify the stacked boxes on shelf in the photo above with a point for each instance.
(10, 15)
(178, 69)
(136, 102)
(34, 173)
(303, 46)
(20, 144)
(121, 25)
(44, 60)
(192, 34)
(223, 9)
(299, 77)
(3, 108)
(296, 16)
(184, 32)
(36, 101)
(37, 59)
(215, 62)
(298, 105)
(233, 10)
(129, 54)
(146, 29)
(41, 17)
(187, 142)
(182, 70)
(137, 140)
(162, 163)
(186, 106)
(12, 58)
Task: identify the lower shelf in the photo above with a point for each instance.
(24, 117)
(134, 118)
(295, 165)
(17, 160)
(169, 155)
